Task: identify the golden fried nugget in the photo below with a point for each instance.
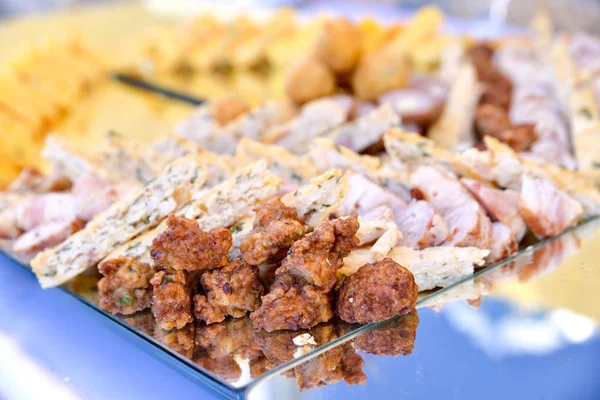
(232, 290)
(184, 246)
(380, 72)
(316, 257)
(172, 299)
(226, 109)
(308, 79)
(339, 45)
(376, 292)
(125, 286)
(292, 304)
(276, 227)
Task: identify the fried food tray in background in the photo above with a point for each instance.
(223, 367)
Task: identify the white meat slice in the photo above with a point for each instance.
(374, 224)
(421, 225)
(503, 243)
(366, 130)
(365, 195)
(315, 119)
(547, 210)
(502, 205)
(468, 224)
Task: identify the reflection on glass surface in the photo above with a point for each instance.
(236, 357)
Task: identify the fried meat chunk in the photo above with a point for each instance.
(125, 286)
(392, 338)
(316, 257)
(232, 290)
(184, 246)
(172, 299)
(376, 292)
(292, 304)
(276, 228)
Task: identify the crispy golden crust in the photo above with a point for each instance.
(231, 290)
(393, 338)
(179, 340)
(376, 292)
(316, 257)
(292, 304)
(378, 72)
(227, 109)
(184, 246)
(172, 299)
(276, 228)
(207, 312)
(338, 45)
(125, 286)
(308, 79)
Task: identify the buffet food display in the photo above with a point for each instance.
(401, 161)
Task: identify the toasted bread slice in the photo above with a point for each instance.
(141, 210)
(222, 205)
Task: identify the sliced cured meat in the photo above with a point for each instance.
(46, 235)
(48, 207)
(546, 209)
(468, 224)
(93, 195)
(502, 205)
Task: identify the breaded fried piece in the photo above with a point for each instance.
(179, 340)
(232, 337)
(376, 292)
(276, 228)
(207, 312)
(125, 286)
(172, 299)
(316, 257)
(184, 246)
(292, 304)
(392, 338)
(339, 44)
(308, 79)
(232, 290)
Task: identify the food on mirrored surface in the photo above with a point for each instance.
(184, 246)
(285, 217)
(376, 292)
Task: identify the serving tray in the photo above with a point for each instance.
(231, 358)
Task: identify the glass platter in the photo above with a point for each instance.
(231, 358)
